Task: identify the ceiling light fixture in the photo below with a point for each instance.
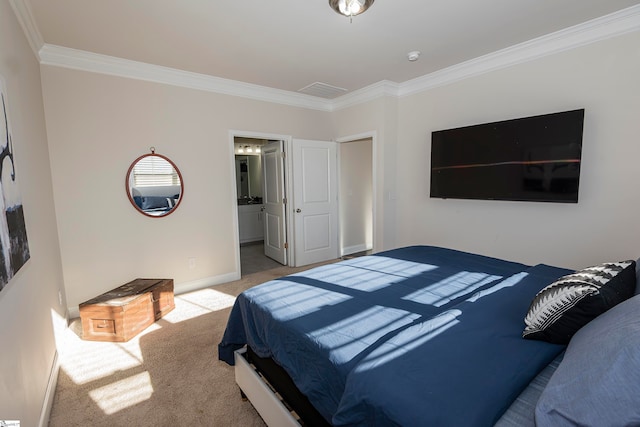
(350, 8)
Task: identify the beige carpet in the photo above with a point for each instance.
(168, 375)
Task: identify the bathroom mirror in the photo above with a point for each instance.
(154, 185)
(248, 179)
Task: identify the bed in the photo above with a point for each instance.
(419, 335)
(156, 205)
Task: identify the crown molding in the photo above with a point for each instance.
(368, 93)
(22, 10)
(608, 26)
(104, 64)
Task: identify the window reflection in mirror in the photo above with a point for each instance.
(154, 185)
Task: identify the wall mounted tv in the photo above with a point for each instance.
(527, 159)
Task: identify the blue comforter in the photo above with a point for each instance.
(417, 335)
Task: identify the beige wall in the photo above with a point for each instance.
(98, 124)
(603, 79)
(29, 305)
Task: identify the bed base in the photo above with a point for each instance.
(275, 412)
(272, 392)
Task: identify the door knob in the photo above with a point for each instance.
(298, 210)
(262, 209)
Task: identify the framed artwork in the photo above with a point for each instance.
(14, 247)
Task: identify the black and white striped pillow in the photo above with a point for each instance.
(563, 307)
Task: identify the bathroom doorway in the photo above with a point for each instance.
(248, 154)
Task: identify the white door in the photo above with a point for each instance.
(273, 201)
(315, 201)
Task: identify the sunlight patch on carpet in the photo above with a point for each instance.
(123, 394)
(197, 303)
(87, 361)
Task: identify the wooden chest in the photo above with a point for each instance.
(121, 313)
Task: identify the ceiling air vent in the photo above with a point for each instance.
(322, 90)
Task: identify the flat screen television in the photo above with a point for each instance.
(527, 159)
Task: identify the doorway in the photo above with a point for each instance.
(251, 211)
(307, 154)
(356, 195)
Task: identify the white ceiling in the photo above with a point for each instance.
(290, 44)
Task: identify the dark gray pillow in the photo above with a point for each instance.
(563, 307)
(598, 381)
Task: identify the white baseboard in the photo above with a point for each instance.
(50, 393)
(183, 288)
(194, 285)
(354, 249)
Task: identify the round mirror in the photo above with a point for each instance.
(154, 185)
